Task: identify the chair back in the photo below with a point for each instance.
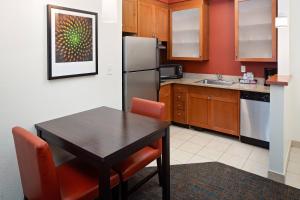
(36, 166)
(150, 109)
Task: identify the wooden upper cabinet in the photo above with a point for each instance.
(153, 19)
(146, 19)
(130, 14)
(189, 30)
(162, 22)
(255, 32)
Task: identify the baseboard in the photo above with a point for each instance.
(276, 177)
(281, 177)
(286, 161)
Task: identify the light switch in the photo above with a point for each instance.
(109, 71)
(281, 22)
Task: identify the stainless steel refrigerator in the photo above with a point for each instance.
(140, 69)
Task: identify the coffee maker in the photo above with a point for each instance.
(268, 73)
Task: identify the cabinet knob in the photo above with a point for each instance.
(209, 98)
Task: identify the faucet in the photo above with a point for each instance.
(219, 77)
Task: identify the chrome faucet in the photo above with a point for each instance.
(219, 77)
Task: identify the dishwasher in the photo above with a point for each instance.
(254, 118)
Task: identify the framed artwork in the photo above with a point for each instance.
(72, 42)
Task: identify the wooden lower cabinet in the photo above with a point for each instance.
(198, 108)
(225, 116)
(211, 108)
(165, 96)
(214, 108)
(180, 95)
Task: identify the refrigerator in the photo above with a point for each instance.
(140, 69)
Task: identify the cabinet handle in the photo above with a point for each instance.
(209, 98)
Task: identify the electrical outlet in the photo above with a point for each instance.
(243, 68)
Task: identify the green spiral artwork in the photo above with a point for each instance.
(73, 38)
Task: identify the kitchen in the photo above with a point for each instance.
(211, 77)
(215, 128)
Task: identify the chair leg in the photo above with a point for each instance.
(116, 192)
(158, 161)
(124, 190)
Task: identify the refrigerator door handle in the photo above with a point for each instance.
(157, 80)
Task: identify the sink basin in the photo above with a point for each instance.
(215, 82)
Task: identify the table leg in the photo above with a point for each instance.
(104, 183)
(166, 164)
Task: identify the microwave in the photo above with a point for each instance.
(170, 71)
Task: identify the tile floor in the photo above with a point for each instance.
(193, 146)
(293, 168)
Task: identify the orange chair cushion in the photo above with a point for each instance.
(136, 162)
(79, 181)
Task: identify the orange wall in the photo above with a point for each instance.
(221, 44)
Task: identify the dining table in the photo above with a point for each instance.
(103, 137)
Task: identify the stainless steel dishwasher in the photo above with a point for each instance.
(254, 118)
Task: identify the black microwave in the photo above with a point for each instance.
(170, 71)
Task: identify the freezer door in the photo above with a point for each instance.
(139, 53)
(142, 84)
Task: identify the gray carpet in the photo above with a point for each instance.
(210, 181)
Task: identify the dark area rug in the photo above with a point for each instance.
(213, 181)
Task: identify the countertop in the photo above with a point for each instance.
(236, 86)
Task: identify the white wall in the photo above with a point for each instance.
(283, 40)
(293, 124)
(292, 96)
(27, 97)
(289, 62)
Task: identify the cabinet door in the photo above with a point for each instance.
(130, 16)
(162, 23)
(165, 96)
(255, 30)
(224, 115)
(198, 110)
(180, 104)
(146, 19)
(189, 30)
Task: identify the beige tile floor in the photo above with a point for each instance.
(293, 168)
(191, 146)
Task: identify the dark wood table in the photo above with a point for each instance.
(105, 136)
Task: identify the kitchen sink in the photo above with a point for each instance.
(215, 82)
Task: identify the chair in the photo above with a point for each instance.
(143, 157)
(41, 180)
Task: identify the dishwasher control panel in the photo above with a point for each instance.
(255, 96)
